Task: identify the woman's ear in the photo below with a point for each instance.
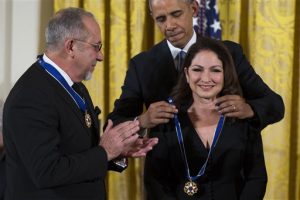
(186, 74)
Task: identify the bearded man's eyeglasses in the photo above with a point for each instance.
(97, 46)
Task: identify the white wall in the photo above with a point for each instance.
(22, 24)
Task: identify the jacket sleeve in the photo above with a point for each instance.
(266, 104)
(158, 180)
(255, 173)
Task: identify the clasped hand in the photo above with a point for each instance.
(123, 140)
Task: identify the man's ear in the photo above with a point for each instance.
(195, 8)
(69, 47)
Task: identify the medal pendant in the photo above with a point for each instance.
(190, 188)
(87, 119)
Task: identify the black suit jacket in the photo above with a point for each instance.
(152, 75)
(50, 152)
(2, 175)
(235, 170)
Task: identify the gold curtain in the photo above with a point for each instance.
(269, 33)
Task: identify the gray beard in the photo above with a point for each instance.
(88, 76)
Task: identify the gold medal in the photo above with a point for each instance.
(88, 120)
(190, 188)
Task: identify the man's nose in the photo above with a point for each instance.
(100, 56)
(170, 24)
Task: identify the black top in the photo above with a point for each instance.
(236, 168)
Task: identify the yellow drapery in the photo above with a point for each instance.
(268, 32)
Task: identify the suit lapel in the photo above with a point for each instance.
(166, 60)
(165, 74)
(64, 95)
(90, 107)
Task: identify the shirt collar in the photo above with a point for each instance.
(62, 72)
(175, 50)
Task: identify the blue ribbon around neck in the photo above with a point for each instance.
(182, 148)
(57, 76)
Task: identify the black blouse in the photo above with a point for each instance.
(236, 168)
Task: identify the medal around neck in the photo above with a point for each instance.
(87, 119)
(190, 187)
(80, 102)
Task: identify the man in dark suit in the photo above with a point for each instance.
(50, 127)
(2, 157)
(152, 74)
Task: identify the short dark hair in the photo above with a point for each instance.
(182, 92)
(150, 3)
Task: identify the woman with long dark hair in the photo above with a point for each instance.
(202, 155)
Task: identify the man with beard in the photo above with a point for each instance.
(50, 127)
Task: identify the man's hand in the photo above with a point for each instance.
(120, 138)
(234, 106)
(141, 147)
(158, 113)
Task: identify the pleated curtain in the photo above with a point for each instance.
(268, 31)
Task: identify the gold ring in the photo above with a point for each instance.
(234, 108)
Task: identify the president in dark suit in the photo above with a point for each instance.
(50, 126)
(152, 74)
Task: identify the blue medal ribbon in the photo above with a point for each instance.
(57, 76)
(182, 148)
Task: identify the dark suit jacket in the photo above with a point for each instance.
(50, 152)
(2, 175)
(152, 75)
(236, 169)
